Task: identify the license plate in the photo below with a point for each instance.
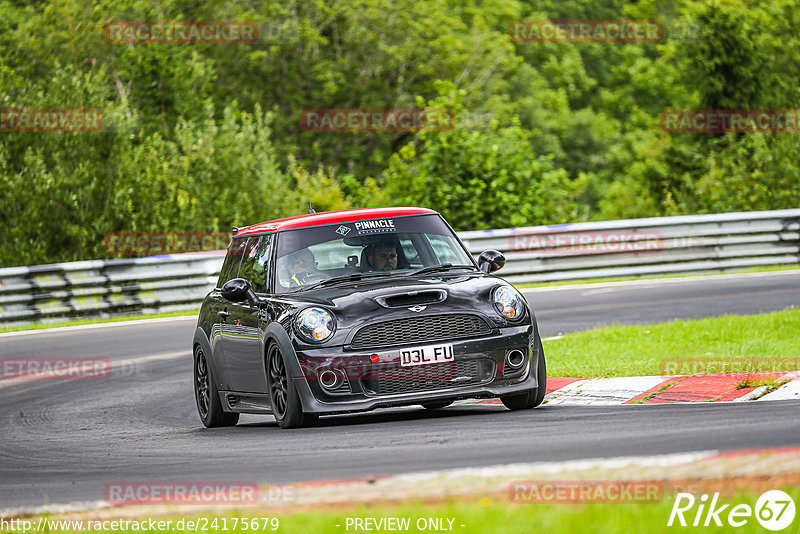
(425, 355)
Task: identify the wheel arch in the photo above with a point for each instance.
(275, 333)
(201, 340)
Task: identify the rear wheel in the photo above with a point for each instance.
(436, 405)
(206, 395)
(533, 397)
(283, 395)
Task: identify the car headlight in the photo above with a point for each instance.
(315, 324)
(508, 303)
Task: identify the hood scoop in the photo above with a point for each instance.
(412, 298)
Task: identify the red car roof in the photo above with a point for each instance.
(330, 217)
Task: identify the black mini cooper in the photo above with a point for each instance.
(348, 311)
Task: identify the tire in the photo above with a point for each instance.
(206, 395)
(286, 407)
(533, 397)
(436, 405)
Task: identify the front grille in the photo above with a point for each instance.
(419, 329)
(393, 379)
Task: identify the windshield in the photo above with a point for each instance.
(393, 245)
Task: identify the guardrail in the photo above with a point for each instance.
(105, 288)
(639, 247)
(633, 247)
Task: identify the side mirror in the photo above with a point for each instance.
(491, 260)
(239, 290)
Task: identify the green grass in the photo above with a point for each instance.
(769, 386)
(764, 269)
(732, 343)
(78, 322)
(489, 516)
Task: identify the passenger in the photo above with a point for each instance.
(302, 267)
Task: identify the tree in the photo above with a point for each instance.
(476, 179)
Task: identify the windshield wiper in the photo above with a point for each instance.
(442, 267)
(353, 277)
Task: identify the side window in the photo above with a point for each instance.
(230, 267)
(255, 263)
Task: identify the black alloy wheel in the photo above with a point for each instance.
(206, 394)
(286, 406)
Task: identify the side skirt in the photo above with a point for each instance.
(245, 402)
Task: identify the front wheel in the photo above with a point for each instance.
(533, 397)
(206, 395)
(283, 395)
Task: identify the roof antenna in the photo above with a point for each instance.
(310, 208)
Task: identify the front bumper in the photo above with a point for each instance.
(490, 350)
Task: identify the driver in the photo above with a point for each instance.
(383, 256)
(302, 267)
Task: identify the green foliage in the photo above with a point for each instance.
(476, 179)
(214, 174)
(749, 172)
(205, 136)
(320, 188)
(364, 54)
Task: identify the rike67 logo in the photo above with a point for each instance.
(774, 510)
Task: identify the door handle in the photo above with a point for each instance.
(224, 314)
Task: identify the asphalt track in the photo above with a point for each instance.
(63, 441)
